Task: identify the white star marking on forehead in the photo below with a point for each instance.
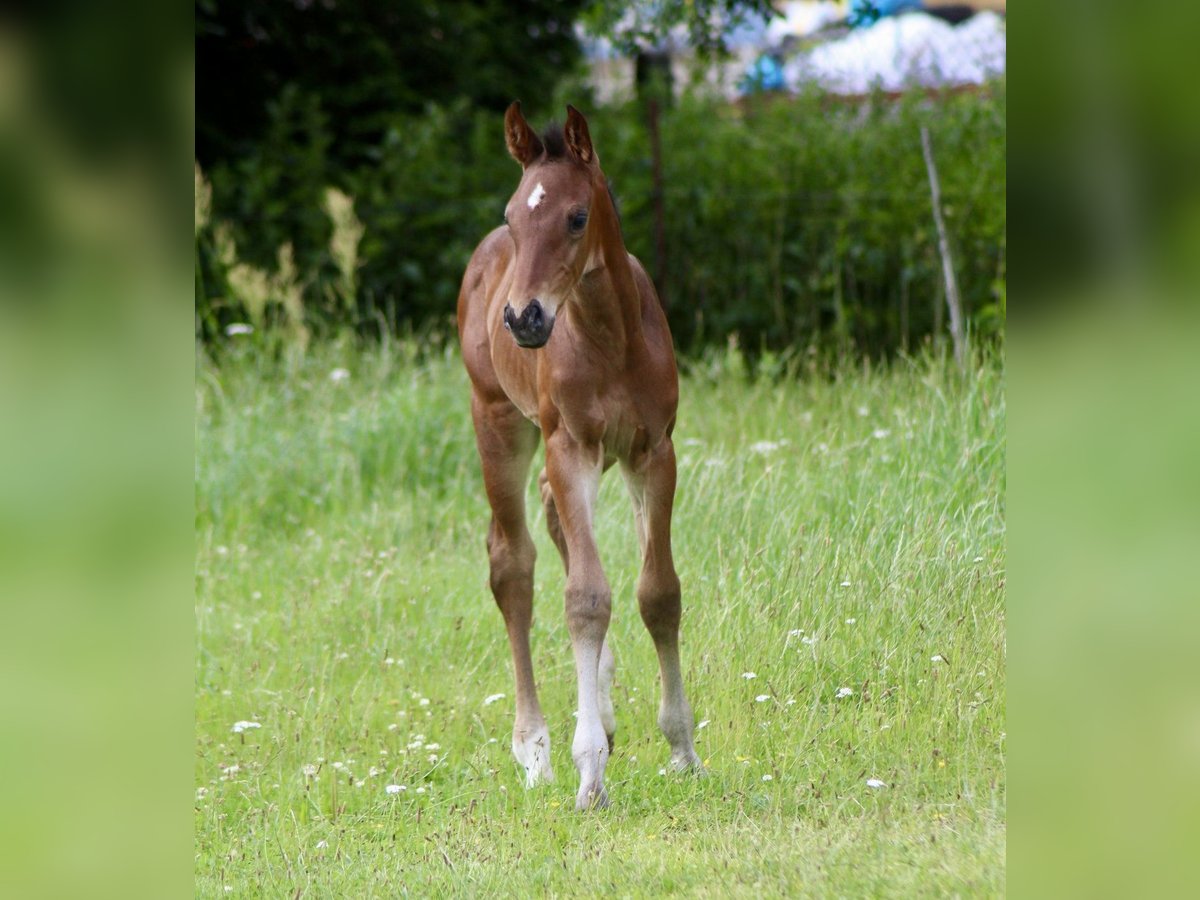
(535, 196)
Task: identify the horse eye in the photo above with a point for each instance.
(578, 222)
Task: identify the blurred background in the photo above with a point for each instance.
(766, 159)
(106, 109)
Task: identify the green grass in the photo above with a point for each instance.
(341, 603)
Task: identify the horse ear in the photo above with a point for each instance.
(523, 144)
(577, 137)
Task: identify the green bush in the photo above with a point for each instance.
(789, 221)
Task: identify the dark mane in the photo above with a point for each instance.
(554, 142)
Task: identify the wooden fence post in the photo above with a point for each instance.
(953, 301)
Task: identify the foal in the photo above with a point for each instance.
(562, 333)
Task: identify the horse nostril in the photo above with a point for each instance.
(510, 318)
(533, 314)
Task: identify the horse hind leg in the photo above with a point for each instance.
(658, 594)
(506, 444)
(605, 675)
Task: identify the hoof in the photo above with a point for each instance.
(592, 798)
(532, 752)
(688, 762)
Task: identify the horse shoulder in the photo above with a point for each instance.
(488, 264)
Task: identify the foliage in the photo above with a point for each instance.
(788, 221)
(845, 529)
(355, 63)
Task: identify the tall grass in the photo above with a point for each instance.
(840, 535)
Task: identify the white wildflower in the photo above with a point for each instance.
(420, 790)
(239, 727)
(492, 698)
(321, 845)
(310, 770)
(235, 328)
(765, 447)
(339, 375)
(875, 783)
(845, 584)
(703, 724)
(809, 639)
(863, 411)
(200, 792)
(762, 698)
(851, 621)
(937, 657)
(748, 675)
(768, 778)
(880, 433)
(845, 692)
(424, 701)
(433, 746)
(796, 632)
(395, 788)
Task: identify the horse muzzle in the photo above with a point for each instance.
(531, 329)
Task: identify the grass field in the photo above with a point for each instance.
(841, 543)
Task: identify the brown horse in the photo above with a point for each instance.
(562, 333)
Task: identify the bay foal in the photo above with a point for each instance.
(562, 333)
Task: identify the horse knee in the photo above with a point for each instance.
(660, 604)
(511, 563)
(589, 608)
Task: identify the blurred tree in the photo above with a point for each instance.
(645, 24)
(365, 61)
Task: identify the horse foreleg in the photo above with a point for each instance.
(574, 471)
(652, 489)
(605, 676)
(506, 443)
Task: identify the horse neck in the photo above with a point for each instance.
(610, 308)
